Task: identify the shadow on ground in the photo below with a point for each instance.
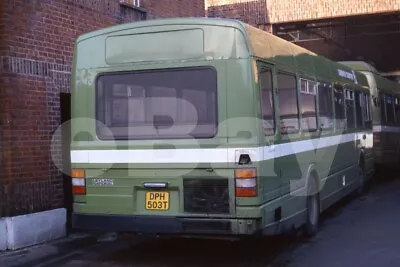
(174, 252)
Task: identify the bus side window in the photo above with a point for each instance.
(369, 108)
(382, 108)
(288, 105)
(390, 117)
(359, 103)
(340, 117)
(397, 109)
(325, 106)
(367, 111)
(349, 96)
(308, 105)
(267, 101)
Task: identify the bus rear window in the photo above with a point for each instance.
(157, 104)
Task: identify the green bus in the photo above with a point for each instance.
(386, 114)
(212, 127)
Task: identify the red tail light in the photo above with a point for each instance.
(246, 182)
(78, 182)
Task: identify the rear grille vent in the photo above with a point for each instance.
(206, 196)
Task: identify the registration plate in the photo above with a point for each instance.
(157, 200)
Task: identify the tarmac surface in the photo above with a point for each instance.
(360, 231)
(365, 232)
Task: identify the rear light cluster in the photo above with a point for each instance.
(78, 182)
(246, 182)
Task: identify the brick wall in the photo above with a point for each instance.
(252, 12)
(173, 8)
(296, 10)
(279, 11)
(36, 46)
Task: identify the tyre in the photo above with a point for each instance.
(313, 208)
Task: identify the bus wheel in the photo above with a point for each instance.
(313, 208)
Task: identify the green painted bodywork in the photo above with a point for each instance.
(234, 49)
(386, 135)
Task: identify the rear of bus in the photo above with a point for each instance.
(152, 148)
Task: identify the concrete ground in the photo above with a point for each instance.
(357, 232)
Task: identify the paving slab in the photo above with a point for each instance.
(31, 256)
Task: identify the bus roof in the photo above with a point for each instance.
(162, 22)
(359, 66)
(259, 39)
(257, 36)
(380, 82)
(386, 85)
(245, 39)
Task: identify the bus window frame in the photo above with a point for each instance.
(300, 106)
(362, 103)
(107, 83)
(386, 95)
(367, 112)
(348, 91)
(295, 76)
(382, 109)
(342, 88)
(329, 87)
(262, 66)
(397, 117)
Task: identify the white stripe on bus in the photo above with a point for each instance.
(385, 129)
(211, 155)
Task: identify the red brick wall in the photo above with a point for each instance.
(36, 46)
(279, 11)
(174, 8)
(3, 107)
(297, 10)
(253, 12)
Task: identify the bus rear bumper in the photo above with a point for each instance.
(165, 225)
